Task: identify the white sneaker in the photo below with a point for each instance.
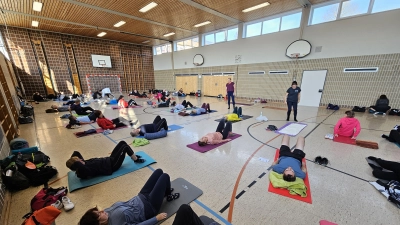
(329, 136)
(110, 131)
(68, 205)
(57, 204)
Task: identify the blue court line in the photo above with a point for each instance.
(151, 168)
(105, 135)
(212, 212)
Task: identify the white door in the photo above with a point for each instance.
(312, 87)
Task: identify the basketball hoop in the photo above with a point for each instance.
(295, 55)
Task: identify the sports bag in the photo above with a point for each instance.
(44, 216)
(394, 112)
(27, 110)
(13, 179)
(24, 120)
(37, 158)
(40, 176)
(358, 109)
(333, 107)
(47, 196)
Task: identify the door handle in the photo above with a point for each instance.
(320, 90)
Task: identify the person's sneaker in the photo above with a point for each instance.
(376, 113)
(68, 205)
(57, 204)
(110, 131)
(329, 136)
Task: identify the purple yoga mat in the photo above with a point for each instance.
(279, 130)
(207, 148)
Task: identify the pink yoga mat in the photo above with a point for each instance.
(207, 148)
(99, 130)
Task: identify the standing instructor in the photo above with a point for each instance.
(230, 89)
(292, 98)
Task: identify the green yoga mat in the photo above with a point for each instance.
(75, 183)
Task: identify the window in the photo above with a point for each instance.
(274, 24)
(229, 34)
(385, 5)
(3, 47)
(161, 49)
(354, 7)
(271, 26)
(324, 14)
(291, 21)
(334, 10)
(187, 44)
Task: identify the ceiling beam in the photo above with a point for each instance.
(81, 24)
(125, 15)
(206, 9)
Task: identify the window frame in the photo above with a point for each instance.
(225, 30)
(161, 46)
(271, 18)
(183, 41)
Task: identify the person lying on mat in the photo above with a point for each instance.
(101, 166)
(79, 109)
(38, 97)
(381, 106)
(106, 92)
(162, 104)
(347, 126)
(137, 94)
(205, 108)
(185, 104)
(154, 127)
(142, 209)
(82, 120)
(219, 136)
(289, 162)
(63, 108)
(394, 135)
(393, 167)
(186, 216)
(106, 123)
(124, 104)
(181, 93)
(97, 94)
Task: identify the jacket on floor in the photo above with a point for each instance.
(93, 167)
(345, 127)
(295, 188)
(105, 123)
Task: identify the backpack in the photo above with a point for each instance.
(393, 189)
(40, 176)
(27, 110)
(65, 98)
(358, 109)
(37, 158)
(44, 216)
(394, 112)
(24, 120)
(47, 196)
(13, 179)
(333, 107)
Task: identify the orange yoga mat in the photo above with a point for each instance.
(344, 140)
(285, 192)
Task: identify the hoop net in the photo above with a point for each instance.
(295, 55)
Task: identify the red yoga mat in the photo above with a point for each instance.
(285, 192)
(344, 140)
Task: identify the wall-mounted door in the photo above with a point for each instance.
(215, 85)
(312, 86)
(187, 83)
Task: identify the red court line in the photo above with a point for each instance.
(57, 179)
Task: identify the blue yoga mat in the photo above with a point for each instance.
(398, 145)
(25, 150)
(75, 183)
(172, 127)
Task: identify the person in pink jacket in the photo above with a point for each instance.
(348, 126)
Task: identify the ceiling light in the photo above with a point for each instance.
(120, 23)
(256, 7)
(37, 6)
(169, 34)
(202, 24)
(101, 34)
(35, 23)
(146, 41)
(148, 7)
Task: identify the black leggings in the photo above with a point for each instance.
(224, 129)
(186, 216)
(383, 109)
(118, 155)
(231, 95)
(394, 136)
(156, 126)
(166, 104)
(186, 104)
(118, 123)
(290, 105)
(132, 102)
(156, 187)
(83, 110)
(394, 168)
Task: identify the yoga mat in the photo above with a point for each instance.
(206, 220)
(188, 193)
(130, 107)
(285, 192)
(398, 145)
(292, 129)
(344, 140)
(325, 222)
(244, 117)
(247, 104)
(212, 111)
(74, 183)
(195, 146)
(25, 150)
(98, 130)
(171, 128)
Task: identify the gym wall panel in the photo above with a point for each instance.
(187, 83)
